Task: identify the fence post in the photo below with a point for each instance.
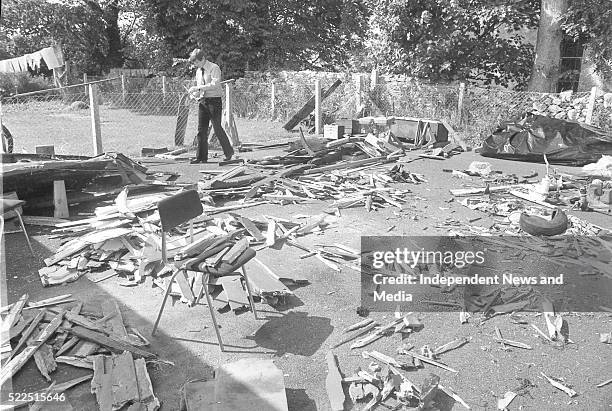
(95, 119)
(3, 148)
(164, 87)
(229, 107)
(273, 99)
(228, 102)
(123, 88)
(317, 93)
(358, 80)
(85, 82)
(374, 78)
(460, 103)
(591, 106)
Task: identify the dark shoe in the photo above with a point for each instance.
(196, 161)
(228, 158)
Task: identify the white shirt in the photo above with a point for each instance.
(209, 78)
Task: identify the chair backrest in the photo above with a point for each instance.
(179, 208)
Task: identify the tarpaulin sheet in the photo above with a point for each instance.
(563, 142)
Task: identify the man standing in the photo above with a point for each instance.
(208, 92)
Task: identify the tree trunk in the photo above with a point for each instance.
(545, 71)
(115, 48)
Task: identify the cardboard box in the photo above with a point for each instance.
(351, 126)
(333, 131)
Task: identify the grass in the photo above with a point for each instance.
(123, 130)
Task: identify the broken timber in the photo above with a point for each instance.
(111, 342)
(120, 380)
(309, 107)
(10, 369)
(333, 383)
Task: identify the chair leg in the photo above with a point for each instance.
(248, 286)
(212, 311)
(25, 232)
(161, 309)
(199, 294)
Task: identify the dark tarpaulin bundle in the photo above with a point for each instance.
(563, 142)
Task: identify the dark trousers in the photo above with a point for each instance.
(210, 110)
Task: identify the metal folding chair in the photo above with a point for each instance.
(8, 204)
(177, 210)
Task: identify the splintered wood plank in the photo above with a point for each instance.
(250, 384)
(119, 380)
(16, 330)
(200, 395)
(108, 341)
(13, 316)
(236, 296)
(85, 348)
(26, 334)
(251, 228)
(315, 222)
(263, 281)
(81, 320)
(75, 361)
(186, 290)
(333, 383)
(61, 339)
(145, 387)
(125, 383)
(110, 307)
(10, 369)
(43, 357)
(271, 233)
(68, 345)
(102, 382)
(236, 251)
(100, 276)
(60, 201)
(76, 245)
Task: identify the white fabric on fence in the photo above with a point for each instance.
(53, 57)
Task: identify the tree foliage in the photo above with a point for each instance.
(590, 23)
(33, 24)
(245, 34)
(441, 40)
(95, 34)
(445, 40)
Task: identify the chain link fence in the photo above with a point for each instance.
(142, 112)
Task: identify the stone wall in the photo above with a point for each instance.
(567, 106)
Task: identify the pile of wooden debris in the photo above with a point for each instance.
(124, 240)
(86, 339)
(34, 177)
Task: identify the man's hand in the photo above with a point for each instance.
(194, 90)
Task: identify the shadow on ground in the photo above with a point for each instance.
(285, 334)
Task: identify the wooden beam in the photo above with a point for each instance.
(14, 314)
(318, 110)
(110, 342)
(309, 107)
(60, 201)
(96, 132)
(333, 383)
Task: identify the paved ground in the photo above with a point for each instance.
(298, 336)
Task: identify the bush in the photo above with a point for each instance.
(15, 83)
